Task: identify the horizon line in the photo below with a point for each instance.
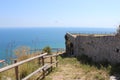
(114, 27)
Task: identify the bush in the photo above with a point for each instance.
(21, 51)
(47, 49)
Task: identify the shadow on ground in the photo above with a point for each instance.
(114, 69)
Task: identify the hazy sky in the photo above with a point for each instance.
(65, 13)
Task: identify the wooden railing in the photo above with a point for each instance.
(41, 69)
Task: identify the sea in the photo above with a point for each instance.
(12, 38)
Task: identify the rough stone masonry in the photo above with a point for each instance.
(99, 47)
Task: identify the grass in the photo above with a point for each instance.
(26, 68)
(71, 69)
(22, 53)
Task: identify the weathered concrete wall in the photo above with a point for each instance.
(70, 40)
(99, 48)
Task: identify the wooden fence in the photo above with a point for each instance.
(42, 69)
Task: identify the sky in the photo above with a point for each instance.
(59, 13)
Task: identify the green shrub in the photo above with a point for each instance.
(47, 49)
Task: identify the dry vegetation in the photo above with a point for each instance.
(25, 69)
(71, 69)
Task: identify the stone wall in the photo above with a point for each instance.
(99, 48)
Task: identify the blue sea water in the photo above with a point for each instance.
(11, 38)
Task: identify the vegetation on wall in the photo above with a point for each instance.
(118, 30)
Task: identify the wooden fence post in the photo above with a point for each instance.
(51, 62)
(56, 60)
(39, 60)
(43, 73)
(16, 70)
(43, 69)
(42, 60)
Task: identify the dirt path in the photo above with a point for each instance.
(65, 72)
(71, 69)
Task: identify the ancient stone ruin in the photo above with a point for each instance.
(99, 47)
